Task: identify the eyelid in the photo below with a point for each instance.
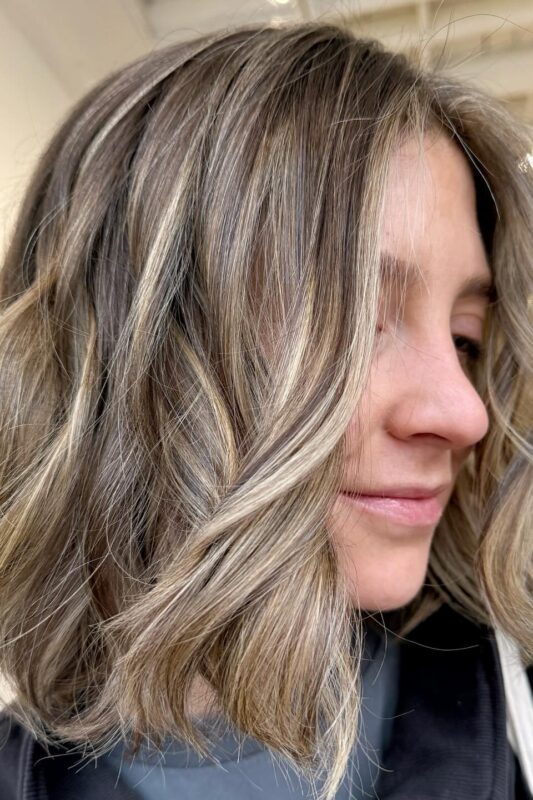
(471, 325)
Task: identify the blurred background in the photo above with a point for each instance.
(53, 51)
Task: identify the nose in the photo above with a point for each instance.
(432, 395)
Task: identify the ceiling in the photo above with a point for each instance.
(489, 42)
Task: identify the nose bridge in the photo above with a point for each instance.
(434, 395)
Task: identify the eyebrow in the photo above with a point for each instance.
(393, 268)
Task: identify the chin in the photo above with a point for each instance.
(382, 573)
(387, 603)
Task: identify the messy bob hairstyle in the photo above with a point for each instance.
(188, 317)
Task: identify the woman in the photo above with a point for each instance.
(266, 448)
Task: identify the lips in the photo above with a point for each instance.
(404, 510)
(412, 491)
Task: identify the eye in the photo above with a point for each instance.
(472, 349)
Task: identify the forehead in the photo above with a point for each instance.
(430, 220)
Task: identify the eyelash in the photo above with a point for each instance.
(473, 349)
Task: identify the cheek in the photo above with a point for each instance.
(370, 410)
(459, 460)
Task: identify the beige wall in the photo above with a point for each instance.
(32, 100)
(51, 53)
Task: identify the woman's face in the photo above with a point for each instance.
(420, 415)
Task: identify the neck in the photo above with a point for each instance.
(202, 700)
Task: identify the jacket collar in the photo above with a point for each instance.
(449, 736)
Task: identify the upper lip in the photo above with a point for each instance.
(411, 491)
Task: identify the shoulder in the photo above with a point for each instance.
(13, 747)
(28, 770)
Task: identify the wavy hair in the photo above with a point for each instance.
(188, 310)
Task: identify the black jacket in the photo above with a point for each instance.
(449, 740)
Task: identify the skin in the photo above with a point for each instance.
(422, 415)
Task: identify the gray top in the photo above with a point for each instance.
(251, 771)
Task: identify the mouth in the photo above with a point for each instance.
(417, 511)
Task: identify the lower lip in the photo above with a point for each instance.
(421, 511)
